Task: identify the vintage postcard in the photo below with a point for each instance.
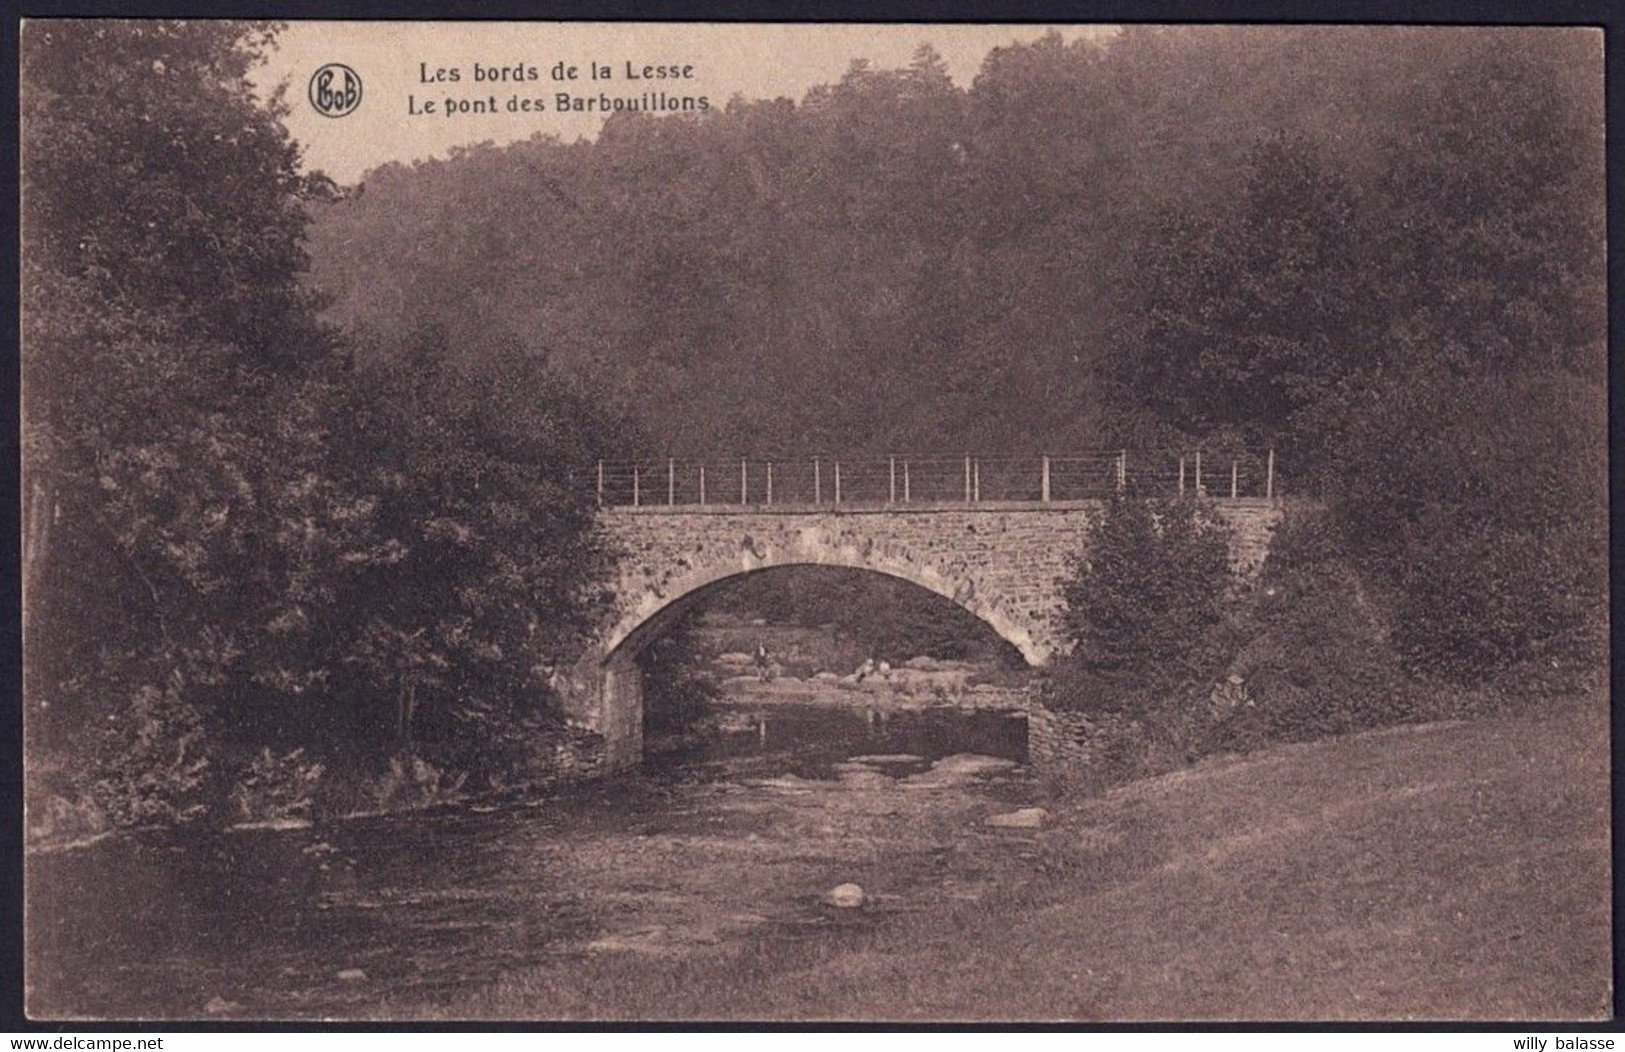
(804, 523)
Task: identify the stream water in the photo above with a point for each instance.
(735, 835)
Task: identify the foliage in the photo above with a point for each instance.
(275, 788)
(413, 782)
(235, 540)
(1141, 599)
(1311, 655)
(149, 766)
(1492, 540)
(1373, 319)
(493, 577)
(165, 340)
(1303, 653)
(1166, 237)
(1256, 310)
(1382, 253)
(55, 818)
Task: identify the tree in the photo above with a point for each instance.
(494, 568)
(162, 229)
(1250, 317)
(1492, 540)
(237, 541)
(1139, 602)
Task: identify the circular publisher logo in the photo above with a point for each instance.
(335, 90)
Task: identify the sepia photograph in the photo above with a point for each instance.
(811, 523)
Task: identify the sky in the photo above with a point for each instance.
(402, 113)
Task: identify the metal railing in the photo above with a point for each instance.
(894, 480)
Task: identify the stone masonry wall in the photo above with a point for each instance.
(1066, 746)
(1001, 562)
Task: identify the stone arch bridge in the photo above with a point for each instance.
(1002, 561)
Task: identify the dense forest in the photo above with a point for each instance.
(299, 455)
(1190, 229)
(1380, 251)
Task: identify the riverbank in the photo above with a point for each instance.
(411, 913)
(1449, 871)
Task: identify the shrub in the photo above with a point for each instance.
(1139, 604)
(412, 782)
(1311, 652)
(54, 818)
(150, 765)
(277, 788)
(1478, 598)
(1481, 501)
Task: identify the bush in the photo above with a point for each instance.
(1493, 538)
(1478, 598)
(1309, 654)
(412, 782)
(56, 819)
(277, 788)
(1139, 605)
(150, 766)
(1304, 654)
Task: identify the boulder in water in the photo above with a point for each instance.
(350, 975)
(1025, 818)
(971, 763)
(845, 897)
(787, 783)
(857, 776)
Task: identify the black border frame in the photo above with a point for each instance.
(1601, 14)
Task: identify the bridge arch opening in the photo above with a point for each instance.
(821, 586)
(820, 630)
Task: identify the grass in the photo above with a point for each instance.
(1449, 871)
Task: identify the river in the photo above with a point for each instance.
(736, 835)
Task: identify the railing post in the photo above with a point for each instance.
(1122, 468)
(1181, 474)
(1269, 476)
(893, 498)
(671, 481)
(837, 482)
(702, 485)
(634, 485)
(1232, 478)
(967, 479)
(976, 480)
(1043, 492)
(744, 489)
(905, 482)
(600, 483)
(1199, 492)
(770, 482)
(818, 483)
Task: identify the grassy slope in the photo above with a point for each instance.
(1447, 871)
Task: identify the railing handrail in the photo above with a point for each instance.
(935, 477)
